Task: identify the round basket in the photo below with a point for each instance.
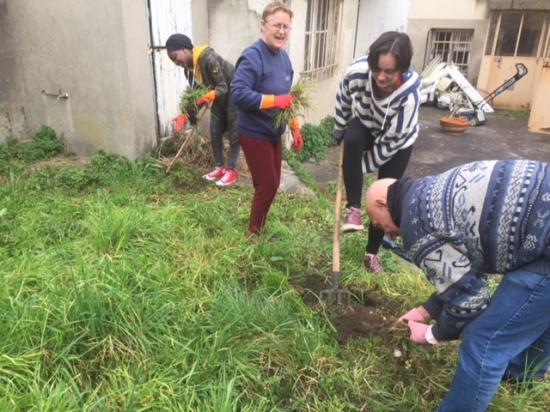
(454, 125)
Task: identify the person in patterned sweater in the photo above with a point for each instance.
(476, 219)
(203, 66)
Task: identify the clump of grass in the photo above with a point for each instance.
(129, 295)
(44, 145)
(513, 114)
(300, 102)
(189, 147)
(188, 101)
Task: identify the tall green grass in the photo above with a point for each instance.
(124, 289)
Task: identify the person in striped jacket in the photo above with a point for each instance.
(377, 119)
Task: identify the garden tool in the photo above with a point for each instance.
(337, 295)
(479, 116)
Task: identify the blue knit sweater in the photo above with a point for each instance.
(260, 71)
(482, 217)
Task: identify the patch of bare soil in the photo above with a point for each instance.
(370, 313)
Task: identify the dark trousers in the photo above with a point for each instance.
(359, 139)
(263, 158)
(222, 120)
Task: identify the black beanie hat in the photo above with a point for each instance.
(177, 42)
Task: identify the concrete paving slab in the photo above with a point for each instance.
(503, 137)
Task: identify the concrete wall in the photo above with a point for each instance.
(233, 25)
(425, 15)
(12, 109)
(376, 17)
(199, 14)
(97, 52)
(448, 9)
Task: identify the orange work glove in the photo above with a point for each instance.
(208, 97)
(270, 101)
(298, 143)
(179, 122)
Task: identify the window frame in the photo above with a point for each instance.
(492, 39)
(322, 30)
(453, 43)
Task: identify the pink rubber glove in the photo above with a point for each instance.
(418, 314)
(422, 333)
(418, 332)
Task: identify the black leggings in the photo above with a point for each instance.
(359, 139)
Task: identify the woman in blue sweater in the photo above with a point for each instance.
(261, 88)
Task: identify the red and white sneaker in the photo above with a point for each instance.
(230, 177)
(215, 174)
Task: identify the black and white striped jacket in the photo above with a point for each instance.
(393, 120)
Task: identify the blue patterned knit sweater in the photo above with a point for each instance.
(482, 217)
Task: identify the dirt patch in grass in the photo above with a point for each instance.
(370, 313)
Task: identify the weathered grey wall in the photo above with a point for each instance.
(97, 52)
(12, 112)
(233, 25)
(418, 30)
(199, 12)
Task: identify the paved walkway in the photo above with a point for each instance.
(503, 137)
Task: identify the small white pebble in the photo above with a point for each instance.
(397, 353)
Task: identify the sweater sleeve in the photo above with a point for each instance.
(247, 75)
(462, 292)
(343, 106)
(212, 66)
(402, 133)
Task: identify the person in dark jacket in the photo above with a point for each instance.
(377, 118)
(480, 218)
(260, 89)
(203, 66)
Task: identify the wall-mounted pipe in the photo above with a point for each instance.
(58, 96)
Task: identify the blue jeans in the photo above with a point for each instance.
(512, 336)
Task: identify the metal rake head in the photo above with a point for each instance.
(336, 296)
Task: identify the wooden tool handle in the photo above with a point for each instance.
(338, 213)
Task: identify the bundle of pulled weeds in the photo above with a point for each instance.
(189, 145)
(188, 102)
(300, 103)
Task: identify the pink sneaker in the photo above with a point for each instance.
(230, 177)
(373, 263)
(215, 174)
(353, 220)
